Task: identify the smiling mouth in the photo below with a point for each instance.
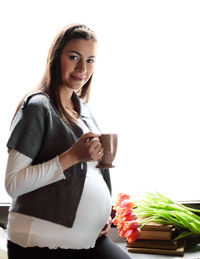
(77, 78)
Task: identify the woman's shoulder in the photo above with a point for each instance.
(36, 99)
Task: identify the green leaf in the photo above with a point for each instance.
(182, 235)
(160, 209)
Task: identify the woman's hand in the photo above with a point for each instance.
(106, 228)
(87, 148)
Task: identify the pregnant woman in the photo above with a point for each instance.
(61, 203)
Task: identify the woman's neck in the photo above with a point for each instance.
(66, 97)
(67, 103)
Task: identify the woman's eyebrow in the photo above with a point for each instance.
(76, 52)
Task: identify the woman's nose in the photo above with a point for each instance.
(81, 66)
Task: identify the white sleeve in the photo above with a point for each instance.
(22, 177)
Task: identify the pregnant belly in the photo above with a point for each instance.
(95, 206)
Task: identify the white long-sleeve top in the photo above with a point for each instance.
(92, 214)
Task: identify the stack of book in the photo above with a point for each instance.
(157, 239)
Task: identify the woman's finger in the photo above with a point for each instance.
(89, 136)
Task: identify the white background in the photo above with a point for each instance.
(145, 87)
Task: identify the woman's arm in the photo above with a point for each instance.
(22, 177)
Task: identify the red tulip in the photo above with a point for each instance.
(120, 198)
(129, 217)
(121, 232)
(130, 225)
(126, 204)
(133, 236)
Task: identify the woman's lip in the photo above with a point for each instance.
(77, 78)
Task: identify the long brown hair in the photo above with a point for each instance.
(51, 79)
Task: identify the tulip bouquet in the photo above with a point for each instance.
(154, 207)
(125, 220)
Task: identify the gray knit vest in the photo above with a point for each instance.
(40, 133)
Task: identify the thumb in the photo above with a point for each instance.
(89, 136)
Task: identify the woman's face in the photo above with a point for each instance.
(77, 63)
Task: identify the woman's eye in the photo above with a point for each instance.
(73, 57)
(90, 60)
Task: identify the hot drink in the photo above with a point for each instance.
(109, 143)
